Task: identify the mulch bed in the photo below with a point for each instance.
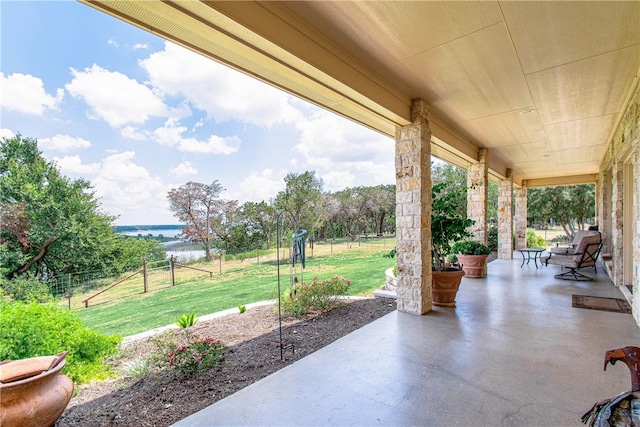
(163, 397)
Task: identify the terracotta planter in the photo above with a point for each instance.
(474, 266)
(444, 287)
(34, 392)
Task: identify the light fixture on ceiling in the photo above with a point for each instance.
(526, 111)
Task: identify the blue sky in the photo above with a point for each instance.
(137, 115)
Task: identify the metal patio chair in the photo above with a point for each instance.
(586, 255)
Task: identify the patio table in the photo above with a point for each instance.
(537, 253)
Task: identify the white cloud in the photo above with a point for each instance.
(72, 165)
(339, 149)
(120, 167)
(138, 46)
(171, 135)
(124, 187)
(223, 93)
(26, 94)
(258, 186)
(183, 169)
(114, 97)
(214, 145)
(63, 143)
(6, 133)
(112, 42)
(130, 132)
(337, 180)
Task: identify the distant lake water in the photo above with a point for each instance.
(166, 232)
(183, 254)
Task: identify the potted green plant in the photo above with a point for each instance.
(472, 256)
(449, 224)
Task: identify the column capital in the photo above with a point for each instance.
(419, 110)
(483, 155)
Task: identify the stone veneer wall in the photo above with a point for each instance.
(617, 204)
(477, 196)
(605, 209)
(625, 142)
(413, 212)
(521, 217)
(505, 217)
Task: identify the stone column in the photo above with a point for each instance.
(617, 221)
(413, 212)
(605, 210)
(477, 195)
(505, 217)
(521, 216)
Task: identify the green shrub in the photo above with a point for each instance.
(534, 241)
(319, 295)
(470, 247)
(242, 308)
(31, 329)
(186, 353)
(391, 253)
(137, 368)
(492, 238)
(187, 320)
(24, 289)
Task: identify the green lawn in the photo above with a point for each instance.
(241, 285)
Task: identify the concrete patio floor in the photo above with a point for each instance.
(512, 353)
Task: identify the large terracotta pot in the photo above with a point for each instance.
(34, 392)
(474, 266)
(444, 287)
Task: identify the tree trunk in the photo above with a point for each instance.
(41, 254)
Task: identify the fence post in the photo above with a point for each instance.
(220, 262)
(144, 276)
(69, 290)
(172, 272)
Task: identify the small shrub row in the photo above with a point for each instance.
(321, 295)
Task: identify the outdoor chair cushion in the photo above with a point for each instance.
(569, 250)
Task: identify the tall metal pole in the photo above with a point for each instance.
(279, 292)
(278, 217)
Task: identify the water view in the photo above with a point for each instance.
(145, 230)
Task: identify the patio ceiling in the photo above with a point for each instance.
(540, 84)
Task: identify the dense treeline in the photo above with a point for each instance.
(225, 225)
(571, 207)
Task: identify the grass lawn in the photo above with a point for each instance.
(242, 284)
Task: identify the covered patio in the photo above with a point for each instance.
(512, 353)
(524, 94)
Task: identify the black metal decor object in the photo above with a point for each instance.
(297, 254)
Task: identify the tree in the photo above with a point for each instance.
(455, 180)
(569, 206)
(195, 204)
(260, 219)
(49, 224)
(380, 204)
(302, 198)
